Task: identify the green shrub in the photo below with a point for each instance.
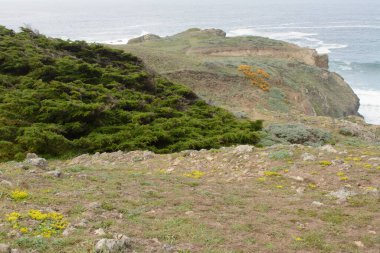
(297, 134)
(61, 98)
(280, 155)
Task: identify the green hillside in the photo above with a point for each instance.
(61, 98)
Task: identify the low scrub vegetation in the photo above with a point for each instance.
(60, 98)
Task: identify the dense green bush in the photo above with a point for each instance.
(61, 98)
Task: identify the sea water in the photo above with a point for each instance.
(347, 30)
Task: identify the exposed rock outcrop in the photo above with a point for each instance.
(146, 37)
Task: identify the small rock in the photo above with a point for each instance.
(328, 149)
(308, 157)
(147, 155)
(300, 190)
(372, 232)
(31, 156)
(34, 160)
(317, 204)
(359, 244)
(243, 149)
(15, 251)
(22, 166)
(297, 178)
(100, 232)
(342, 194)
(82, 223)
(336, 162)
(5, 248)
(121, 243)
(209, 158)
(371, 191)
(176, 162)
(6, 184)
(54, 173)
(68, 231)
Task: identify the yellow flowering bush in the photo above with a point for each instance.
(271, 174)
(19, 195)
(340, 174)
(196, 174)
(13, 217)
(325, 163)
(37, 223)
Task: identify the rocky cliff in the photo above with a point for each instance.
(208, 61)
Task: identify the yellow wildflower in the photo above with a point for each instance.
(14, 216)
(325, 163)
(19, 195)
(271, 174)
(196, 174)
(24, 230)
(37, 215)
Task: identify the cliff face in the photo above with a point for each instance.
(304, 55)
(207, 61)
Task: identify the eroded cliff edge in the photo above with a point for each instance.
(207, 61)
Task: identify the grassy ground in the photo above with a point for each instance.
(207, 201)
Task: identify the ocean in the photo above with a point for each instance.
(347, 30)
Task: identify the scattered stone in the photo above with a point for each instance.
(83, 223)
(297, 178)
(336, 162)
(342, 194)
(15, 251)
(68, 231)
(54, 173)
(6, 184)
(372, 232)
(5, 248)
(317, 204)
(346, 166)
(372, 191)
(359, 244)
(120, 243)
(100, 232)
(209, 158)
(31, 156)
(22, 166)
(243, 149)
(308, 157)
(300, 190)
(176, 162)
(328, 148)
(147, 155)
(34, 160)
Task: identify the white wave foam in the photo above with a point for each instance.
(369, 105)
(124, 40)
(273, 35)
(301, 38)
(325, 47)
